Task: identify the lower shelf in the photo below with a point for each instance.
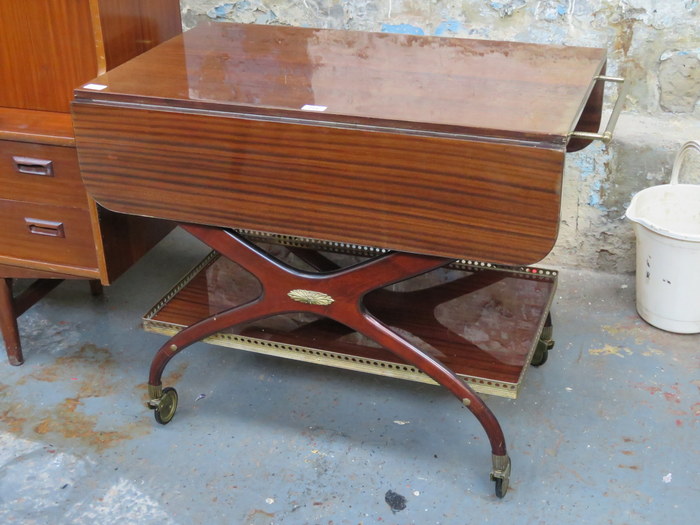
(480, 320)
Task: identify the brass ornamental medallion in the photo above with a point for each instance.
(310, 297)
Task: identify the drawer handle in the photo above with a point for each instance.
(31, 166)
(47, 228)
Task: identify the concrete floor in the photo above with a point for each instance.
(605, 432)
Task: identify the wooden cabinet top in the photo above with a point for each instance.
(475, 88)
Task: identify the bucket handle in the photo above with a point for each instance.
(680, 157)
(607, 135)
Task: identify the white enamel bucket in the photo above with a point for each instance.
(666, 223)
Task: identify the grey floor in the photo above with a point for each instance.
(606, 431)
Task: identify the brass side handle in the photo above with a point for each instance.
(607, 135)
(30, 166)
(46, 228)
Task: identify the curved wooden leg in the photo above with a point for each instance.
(252, 311)
(371, 327)
(164, 400)
(385, 336)
(336, 294)
(8, 323)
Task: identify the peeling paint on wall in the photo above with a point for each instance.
(679, 81)
(406, 29)
(220, 11)
(506, 7)
(552, 9)
(448, 28)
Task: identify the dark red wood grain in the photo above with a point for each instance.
(442, 196)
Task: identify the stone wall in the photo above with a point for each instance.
(654, 44)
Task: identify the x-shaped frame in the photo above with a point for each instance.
(337, 294)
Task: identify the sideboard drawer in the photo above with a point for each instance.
(40, 173)
(49, 234)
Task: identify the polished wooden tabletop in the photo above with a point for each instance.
(487, 88)
(438, 146)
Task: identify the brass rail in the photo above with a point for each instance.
(607, 135)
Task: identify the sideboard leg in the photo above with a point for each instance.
(96, 288)
(8, 323)
(11, 307)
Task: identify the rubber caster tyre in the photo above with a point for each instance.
(501, 487)
(500, 474)
(167, 405)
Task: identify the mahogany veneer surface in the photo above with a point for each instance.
(75, 247)
(428, 145)
(44, 62)
(502, 89)
(47, 48)
(61, 186)
(18, 272)
(44, 127)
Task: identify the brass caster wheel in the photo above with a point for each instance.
(500, 474)
(544, 345)
(541, 352)
(166, 406)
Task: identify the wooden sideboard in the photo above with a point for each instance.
(49, 228)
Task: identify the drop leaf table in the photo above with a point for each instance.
(351, 185)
